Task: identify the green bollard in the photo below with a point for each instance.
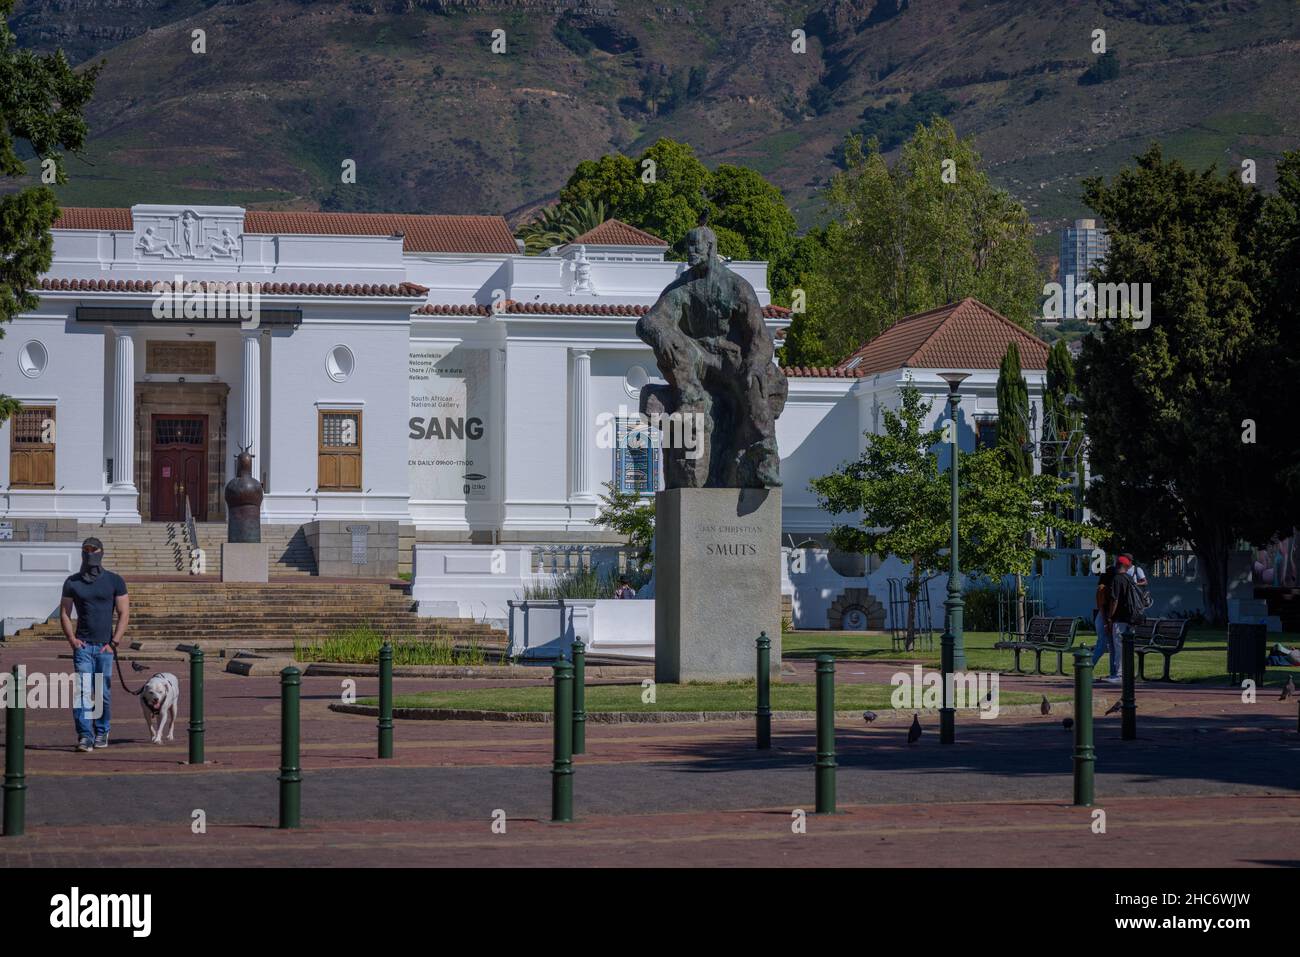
(825, 734)
(15, 744)
(763, 716)
(196, 705)
(947, 713)
(579, 697)
(386, 700)
(1128, 729)
(290, 770)
(1084, 755)
(562, 765)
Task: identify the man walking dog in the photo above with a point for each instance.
(95, 592)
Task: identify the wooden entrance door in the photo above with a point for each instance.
(180, 454)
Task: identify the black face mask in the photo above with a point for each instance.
(92, 563)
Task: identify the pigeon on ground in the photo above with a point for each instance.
(868, 716)
(1288, 689)
(1115, 707)
(1067, 724)
(136, 666)
(1046, 706)
(914, 732)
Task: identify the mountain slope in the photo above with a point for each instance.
(437, 122)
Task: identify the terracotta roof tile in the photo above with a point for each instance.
(615, 232)
(960, 335)
(422, 233)
(514, 308)
(819, 372)
(264, 288)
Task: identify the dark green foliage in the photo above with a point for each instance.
(894, 122)
(1167, 406)
(1013, 414)
(572, 37)
(1103, 71)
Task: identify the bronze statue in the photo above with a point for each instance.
(724, 392)
(244, 502)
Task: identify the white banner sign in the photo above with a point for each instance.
(450, 412)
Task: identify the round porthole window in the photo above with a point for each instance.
(635, 381)
(32, 358)
(339, 363)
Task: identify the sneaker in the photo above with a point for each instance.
(101, 740)
(86, 744)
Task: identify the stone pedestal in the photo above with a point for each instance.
(244, 562)
(717, 582)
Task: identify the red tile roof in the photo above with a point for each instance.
(615, 232)
(960, 335)
(514, 308)
(264, 288)
(422, 234)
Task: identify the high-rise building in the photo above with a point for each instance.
(1083, 245)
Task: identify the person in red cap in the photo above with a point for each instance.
(1125, 607)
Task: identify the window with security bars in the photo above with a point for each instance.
(339, 451)
(178, 431)
(31, 447)
(636, 457)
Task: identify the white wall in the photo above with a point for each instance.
(300, 387)
(31, 580)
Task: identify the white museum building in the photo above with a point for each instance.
(416, 377)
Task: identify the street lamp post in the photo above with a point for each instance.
(954, 651)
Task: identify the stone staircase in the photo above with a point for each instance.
(163, 548)
(218, 613)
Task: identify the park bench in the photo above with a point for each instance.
(1043, 634)
(1164, 636)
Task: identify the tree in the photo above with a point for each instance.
(1062, 424)
(747, 212)
(632, 516)
(561, 223)
(896, 490)
(927, 230)
(1013, 414)
(1166, 406)
(1277, 361)
(901, 501)
(41, 104)
(1005, 516)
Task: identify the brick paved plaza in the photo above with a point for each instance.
(1211, 781)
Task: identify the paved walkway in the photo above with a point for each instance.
(1210, 781)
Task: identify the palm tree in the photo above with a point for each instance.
(559, 224)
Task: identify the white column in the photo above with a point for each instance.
(124, 413)
(581, 426)
(251, 422)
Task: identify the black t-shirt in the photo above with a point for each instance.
(94, 602)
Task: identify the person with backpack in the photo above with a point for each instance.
(1128, 605)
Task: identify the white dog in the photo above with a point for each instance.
(159, 699)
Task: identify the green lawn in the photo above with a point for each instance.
(731, 696)
(1203, 658)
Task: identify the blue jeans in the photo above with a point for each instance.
(1104, 644)
(90, 660)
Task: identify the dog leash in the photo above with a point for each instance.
(117, 660)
